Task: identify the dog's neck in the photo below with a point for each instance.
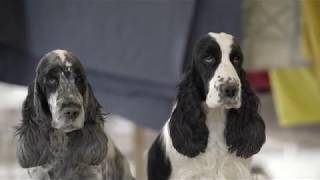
(215, 115)
(209, 110)
(216, 122)
(59, 146)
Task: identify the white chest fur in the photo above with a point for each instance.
(216, 163)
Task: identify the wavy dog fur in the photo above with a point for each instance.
(52, 154)
(213, 130)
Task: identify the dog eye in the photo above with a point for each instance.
(53, 81)
(236, 60)
(209, 59)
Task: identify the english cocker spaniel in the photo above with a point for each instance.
(61, 136)
(214, 127)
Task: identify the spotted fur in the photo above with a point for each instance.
(61, 135)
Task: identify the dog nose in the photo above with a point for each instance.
(71, 112)
(230, 91)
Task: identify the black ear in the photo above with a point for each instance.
(188, 130)
(32, 147)
(245, 129)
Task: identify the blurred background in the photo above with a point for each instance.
(135, 52)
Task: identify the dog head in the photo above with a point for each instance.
(217, 60)
(215, 78)
(63, 87)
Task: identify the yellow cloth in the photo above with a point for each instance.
(296, 91)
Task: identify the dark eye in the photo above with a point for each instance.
(236, 60)
(209, 59)
(52, 81)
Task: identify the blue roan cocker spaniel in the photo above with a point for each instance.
(61, 136)
(214, 127)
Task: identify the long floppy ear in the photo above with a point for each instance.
(32, 147)
(188, 130)
(93, 108)
(245, 129)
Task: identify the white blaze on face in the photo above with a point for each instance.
(61, 53)
(68, 65)
(224, 71)
(62, 56)
(54, 109)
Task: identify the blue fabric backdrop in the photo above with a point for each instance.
(134, 51)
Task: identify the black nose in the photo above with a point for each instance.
(71, 112)
(230, 91)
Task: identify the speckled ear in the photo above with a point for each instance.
(32, 147)
(245, 129)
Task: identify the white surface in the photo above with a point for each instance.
(11, 96)
(288, 161)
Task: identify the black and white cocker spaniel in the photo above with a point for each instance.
(61, 136)
(214, 127)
